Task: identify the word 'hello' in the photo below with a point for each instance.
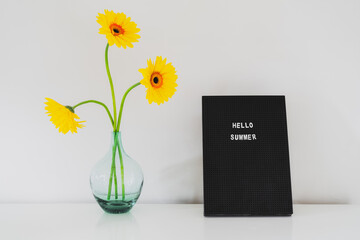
(242, 125)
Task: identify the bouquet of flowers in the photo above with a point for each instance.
(159, 78)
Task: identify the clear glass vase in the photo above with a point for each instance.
(116, 180)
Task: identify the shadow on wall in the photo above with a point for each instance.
(184, 181)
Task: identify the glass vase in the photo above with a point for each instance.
(116, 180)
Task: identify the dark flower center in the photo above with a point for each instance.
(116, 29)
(156, 80)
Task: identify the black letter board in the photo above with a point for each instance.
(246, 156)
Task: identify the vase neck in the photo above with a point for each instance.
(116, 136)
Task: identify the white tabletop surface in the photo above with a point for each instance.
(173, 221)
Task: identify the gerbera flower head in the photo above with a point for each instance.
(118, 29)
(159, 79)
(63, 117)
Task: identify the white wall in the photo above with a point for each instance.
(308, 50)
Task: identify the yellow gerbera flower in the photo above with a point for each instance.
(118, 29)
(159, 79)
(63, 117)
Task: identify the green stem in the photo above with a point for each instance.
(122, 172)
(113, 171)
(118, 127)
(122, 104)
(100, 103)
(111, 83)
(114, 166)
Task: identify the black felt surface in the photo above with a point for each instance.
(248, 177)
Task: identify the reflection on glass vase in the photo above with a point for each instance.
(116, 180)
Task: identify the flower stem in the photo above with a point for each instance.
(113, 171)
(100, 103)
(111, 83)
(122, 104)
(122, 172)
(117, 129)
(114, 166)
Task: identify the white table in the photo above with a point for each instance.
(173, 221)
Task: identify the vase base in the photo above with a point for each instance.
(115, 206)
